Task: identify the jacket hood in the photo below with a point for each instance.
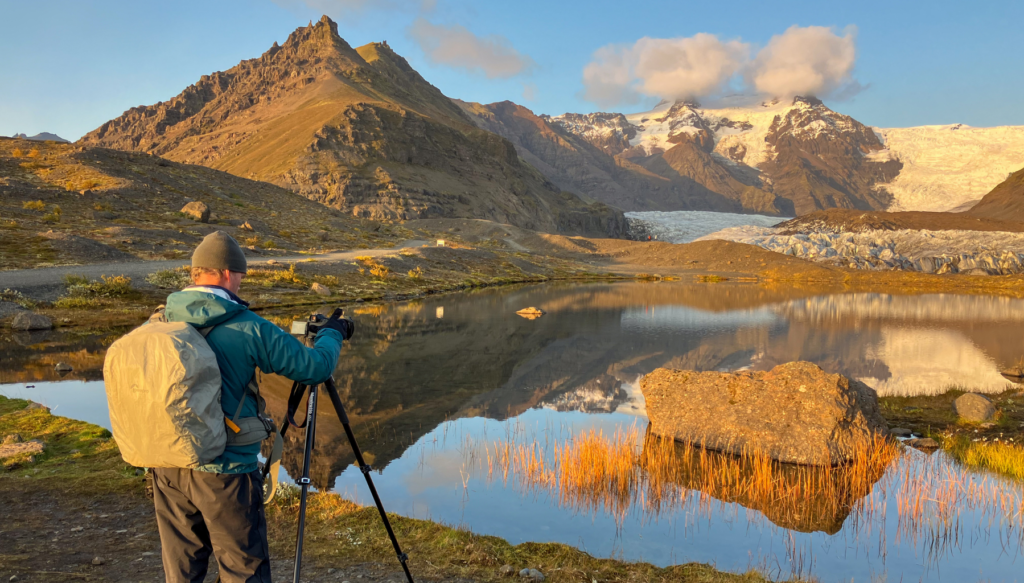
(200, 308)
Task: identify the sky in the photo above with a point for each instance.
(68, 66)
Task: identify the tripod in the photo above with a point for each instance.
(298, 390)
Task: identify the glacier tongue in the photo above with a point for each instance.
(686, 226)
(973, 252)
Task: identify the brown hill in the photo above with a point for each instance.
(356, 129)
(1005, 202)
(62, 204)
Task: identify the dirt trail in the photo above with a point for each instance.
(35, 281)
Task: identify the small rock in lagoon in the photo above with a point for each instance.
(925, 444)
(974, 407)
(25, 321)
(531, 313)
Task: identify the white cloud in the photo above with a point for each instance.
(455, 46)
(672, 68)
(809, 61)
(529, 91)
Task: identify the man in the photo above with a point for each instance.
(218, 507)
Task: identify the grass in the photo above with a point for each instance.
(999, 457)
(81, 458)
(34, 205)
(84, 294)
(339, 532)
(78, 456)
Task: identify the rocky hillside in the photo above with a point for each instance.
(66, 204)
(1005, 202)
(778, 158)
(356, 129)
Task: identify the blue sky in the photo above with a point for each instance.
(68, 66)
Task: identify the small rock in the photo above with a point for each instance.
(531, 313)
(24, 321)
(12, 438)
(272, 262)
(97, 561)
(331, 571)
(74, 451)
(198, 211)
(34, 405)
(103, 216)
(320, 290)
(13, 578)
(974, 407)
(532, 574)
(900, 432)
(63, 367)
(925, 444)
(507, 570)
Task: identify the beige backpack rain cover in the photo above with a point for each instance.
(163, 387)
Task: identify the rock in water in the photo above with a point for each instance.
(794, 413)
(30, 321)
(974, 407)
(198, 211)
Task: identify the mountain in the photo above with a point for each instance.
(1005, 202)
(584, 153)
(777, 158)
(42, 137)
(355, 129)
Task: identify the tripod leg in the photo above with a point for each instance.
(304, 481)
(332, 392)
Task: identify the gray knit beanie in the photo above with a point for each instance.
(219, 251)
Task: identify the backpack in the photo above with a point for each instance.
(163, 389)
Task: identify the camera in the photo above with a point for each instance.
(311, 325)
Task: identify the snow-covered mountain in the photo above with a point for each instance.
(779, 157)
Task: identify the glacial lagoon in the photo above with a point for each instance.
(479, 418)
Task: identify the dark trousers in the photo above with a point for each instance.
(201, 512)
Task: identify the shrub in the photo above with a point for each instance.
(328, 280)
(415, 273)
(34, 205)
(17, 153)
(11, 295)
(268, 244)
(33, 153)
(177, 278)
(82, 293)
(53, 216)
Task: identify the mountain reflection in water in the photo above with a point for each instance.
(425, 381)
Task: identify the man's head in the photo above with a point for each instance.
(219, 261)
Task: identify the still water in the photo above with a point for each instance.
(477, 417)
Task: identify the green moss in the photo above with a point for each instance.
(78, 456)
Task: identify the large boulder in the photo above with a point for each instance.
(30, 321)
(197, 211)
(794, 413)
(974, 407)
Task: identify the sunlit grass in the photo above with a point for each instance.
(1003, 458)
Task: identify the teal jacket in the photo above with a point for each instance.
(244, 342)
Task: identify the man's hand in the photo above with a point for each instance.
(345, 327)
